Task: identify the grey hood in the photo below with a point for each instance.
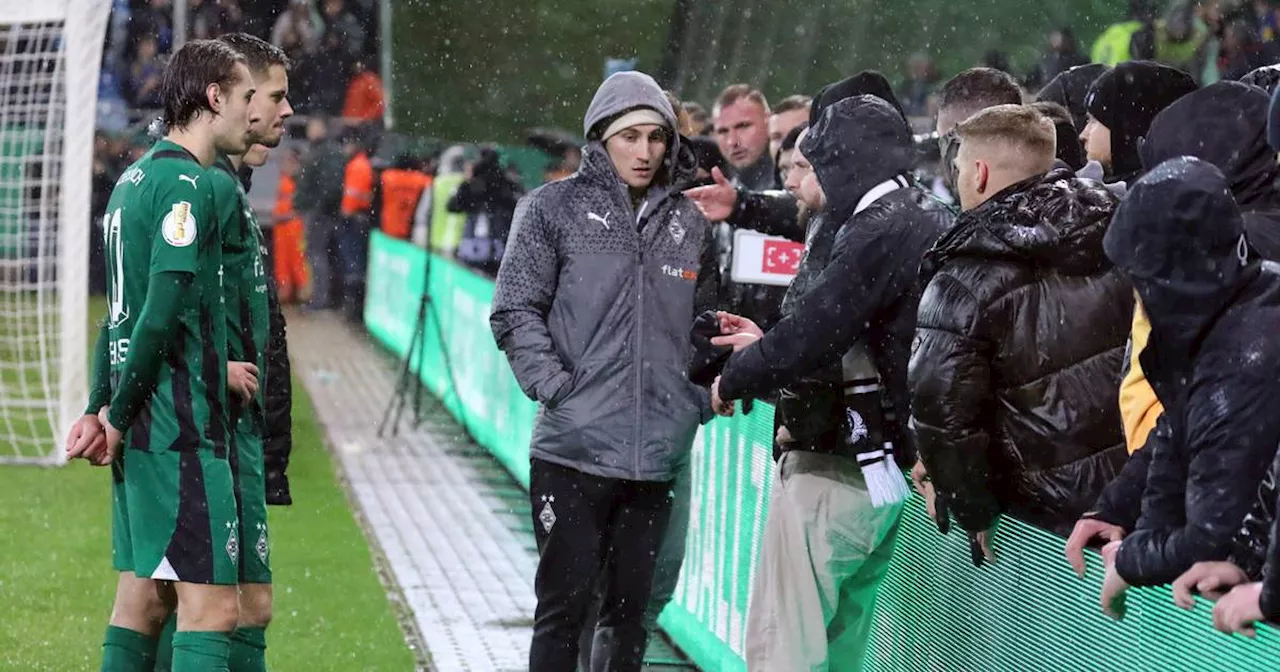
(626, 91)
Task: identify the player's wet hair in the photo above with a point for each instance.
(192, 69)
(259, 53)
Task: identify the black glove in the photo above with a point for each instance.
(278, 489)
(708, 360)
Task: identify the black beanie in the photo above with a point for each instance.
(1126, 99)
(867, 82)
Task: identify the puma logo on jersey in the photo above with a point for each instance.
(190, 179)
(593, 217)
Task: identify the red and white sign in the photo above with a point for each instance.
(764, 260)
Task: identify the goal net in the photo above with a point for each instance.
(50, 54)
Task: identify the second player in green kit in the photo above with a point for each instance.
(245, 290)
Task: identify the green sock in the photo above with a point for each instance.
(164, 648)
(125, 650)
(200, 651)
(248, 650)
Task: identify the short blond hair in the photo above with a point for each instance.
(1011, 137)
(737, 92)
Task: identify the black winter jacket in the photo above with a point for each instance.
(1213, 361)
(866, 290)
(277, 439)
(1235, 141)
(760, 303)
(1016, 368)
(1255, 550)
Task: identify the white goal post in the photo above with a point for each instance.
(50, 56)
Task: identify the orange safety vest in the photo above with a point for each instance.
(357, 185)
(401, 190)
(284, 212)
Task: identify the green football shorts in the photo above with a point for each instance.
(249, 473)
(174, 516)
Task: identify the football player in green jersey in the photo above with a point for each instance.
(248, 331)
(248, 326)
(159, 393)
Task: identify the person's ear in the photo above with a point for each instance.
(214, 94)
(981, 176)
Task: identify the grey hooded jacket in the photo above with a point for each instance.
(595, 301)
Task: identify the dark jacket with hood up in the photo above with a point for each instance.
(857, 282)
(1213, 361)
(1223, 124)
(1016, 368)
(1069, 89)
(595, 300)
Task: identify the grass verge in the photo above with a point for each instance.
(56, 581)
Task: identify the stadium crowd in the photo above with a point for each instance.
(1052, 306)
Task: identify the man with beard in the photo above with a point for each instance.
(841, 352)
(1021, 324)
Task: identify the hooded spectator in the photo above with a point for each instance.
(1070, 89)
(1234, 144)
(867, 82)
(1069, 150)
(1021, 332)
(598, 333)
(1235, 140)
(848, 326)
(1266, 78)
(488, 198)
(1121, 105)
(963, 96)
(1213, 360)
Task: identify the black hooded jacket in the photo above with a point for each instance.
(861, 285)
(1226, 124)
(1213, 361)
(1016, 368)
(1069, 89)
(1223, 124)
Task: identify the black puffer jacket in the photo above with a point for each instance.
(1213, 360)
(1016, 369)
(866, 289)
(1224, 124)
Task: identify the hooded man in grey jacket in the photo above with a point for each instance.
(602, 279)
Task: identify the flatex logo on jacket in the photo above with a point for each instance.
(680, 273)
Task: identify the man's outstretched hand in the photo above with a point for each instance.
(715, 201)
(736, 331)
